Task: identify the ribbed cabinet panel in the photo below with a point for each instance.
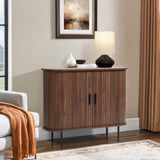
(81, 99)
(66, 104)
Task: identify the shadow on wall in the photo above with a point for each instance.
(89, 54)
(53, 19)
(86, 54)
(32, 84)
(129, 50)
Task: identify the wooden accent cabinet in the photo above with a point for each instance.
(84, 98)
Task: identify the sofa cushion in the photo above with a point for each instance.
(5, 127)
(6, 142)
(36, 118)
(16, 98)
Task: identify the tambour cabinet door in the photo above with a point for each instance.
(101, 98)
(117, 93)
(109, 98)
(67, 101)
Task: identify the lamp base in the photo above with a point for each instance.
(105, 61)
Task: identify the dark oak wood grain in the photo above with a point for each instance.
(66, 104)
(101, 93)
(117, 97)
(80, 99)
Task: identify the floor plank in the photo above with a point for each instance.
(86, 141)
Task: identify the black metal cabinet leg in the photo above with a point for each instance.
(118, 128)
(35, 157)
(52, 134)
(107, 131)
(61, 140)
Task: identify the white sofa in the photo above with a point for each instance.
(19, 99)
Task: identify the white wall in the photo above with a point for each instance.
(35, 46)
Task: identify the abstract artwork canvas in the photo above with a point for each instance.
(76, 14)
(76, 18)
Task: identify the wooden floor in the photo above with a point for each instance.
(71, 143)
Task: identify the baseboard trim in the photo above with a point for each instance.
(131, 124)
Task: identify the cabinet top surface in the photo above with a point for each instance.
(85, 69)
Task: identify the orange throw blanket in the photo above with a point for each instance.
(23, 130)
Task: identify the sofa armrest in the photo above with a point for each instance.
(16, 98)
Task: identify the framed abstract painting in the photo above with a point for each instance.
(76, 18)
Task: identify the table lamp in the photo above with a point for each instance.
(104, 45)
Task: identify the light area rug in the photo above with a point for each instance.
(137, 150)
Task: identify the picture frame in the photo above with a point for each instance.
(76, 19)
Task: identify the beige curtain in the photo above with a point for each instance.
(149, 101)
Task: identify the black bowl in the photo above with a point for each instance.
(80, 61)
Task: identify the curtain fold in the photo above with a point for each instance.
(149, 99)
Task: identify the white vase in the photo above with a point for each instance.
(71, 62)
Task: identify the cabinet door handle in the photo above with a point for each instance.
(95, 98)
(89, 99)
